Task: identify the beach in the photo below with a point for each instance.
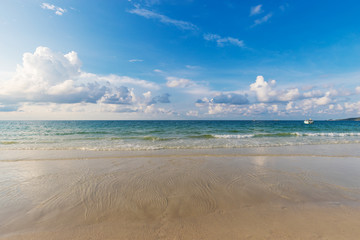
(288, 192)
(179, 120)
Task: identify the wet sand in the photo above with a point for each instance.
(303, 192)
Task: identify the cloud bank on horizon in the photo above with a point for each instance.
(55, 82)
(158, 59)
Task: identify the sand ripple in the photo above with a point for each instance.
(151, 194)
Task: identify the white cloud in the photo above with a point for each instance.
(192, 67)
(266, 93)
(122, 95)
(64, 88)
(273, 108)
(187, 85)
(289, 106)
(273, 100)
(224, 104)
(323, 100)
(249, 110)
(263, 89)
(262, 20)
(339, 107)
(116, 79)
(174, 82)
(257, 108)
(192, 113)
(135, 60)
(217, 108)
(164, 19)
(256, 10)
(49, 77)
(352, 107)
(289, 95)
(313, 93)
(221, 41)
(152, 110)
(58, 10)
(357, 89)
(147, 95)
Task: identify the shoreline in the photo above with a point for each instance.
(274, 193)
(306, 150)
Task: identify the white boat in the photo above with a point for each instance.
(308, 121)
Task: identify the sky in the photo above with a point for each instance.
(171, 59)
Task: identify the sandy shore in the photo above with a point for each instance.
(307, 192)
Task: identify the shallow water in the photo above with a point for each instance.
(155, 135)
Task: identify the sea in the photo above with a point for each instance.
(157, 135)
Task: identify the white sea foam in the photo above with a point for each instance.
(332, 134)
(238, 136)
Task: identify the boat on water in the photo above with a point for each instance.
(308, 121)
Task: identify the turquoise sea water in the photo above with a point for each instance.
(153, 135)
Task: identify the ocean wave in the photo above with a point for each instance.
(233, 136)
(76, 133)
(284, 134)
(138, 147)
(333, 134)
(259, 135)
(205, 136)
(153, 138)
(289, 134)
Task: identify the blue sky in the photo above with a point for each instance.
(190, 59)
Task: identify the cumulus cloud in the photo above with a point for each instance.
(122, 95)
(313, 94)
(164, 98)
(244, 110)
(49, 77)
(272, 100)
(224, 103)
(151, 109)
(265, 91)
(58, 10)
(222, 41)
(164, 19)
(352, 107)
(288, 95)
(256, 10)
(225, 109)
(323, 100)
(231, 98)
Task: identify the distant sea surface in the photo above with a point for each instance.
(154, 135)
